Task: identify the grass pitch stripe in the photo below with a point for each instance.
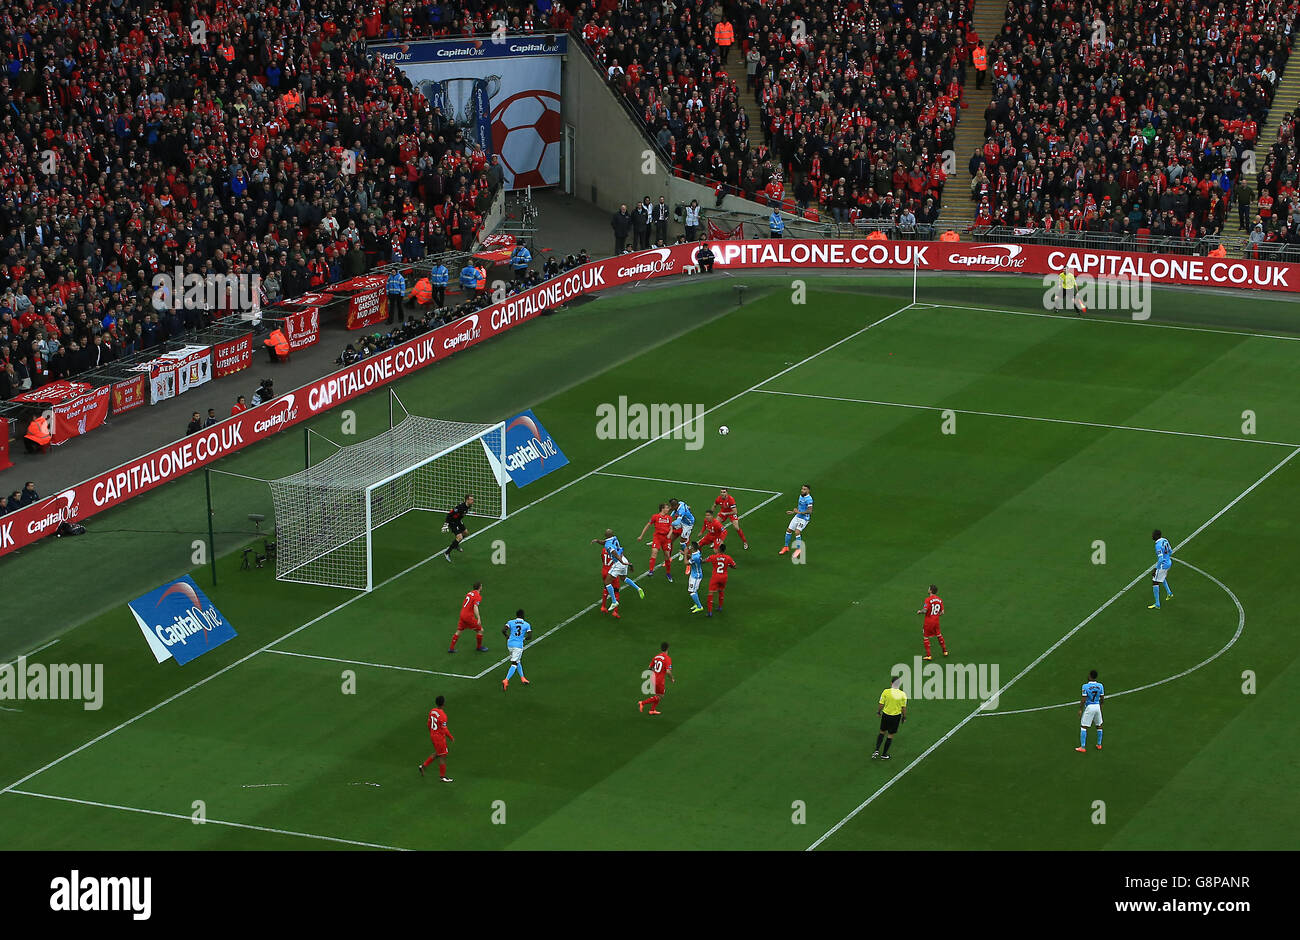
(1000, 414)
(419, 564)
(1042, 656)
(208, 822)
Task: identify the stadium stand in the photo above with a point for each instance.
(1129, 118)
(136, 141)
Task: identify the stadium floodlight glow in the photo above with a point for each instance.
(327, 515)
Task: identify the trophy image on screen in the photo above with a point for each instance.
(467, 103)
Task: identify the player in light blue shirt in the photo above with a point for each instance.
(802, 516)
(695, 574)
(618, 568)
(1164, 560)
(1094, 693)
(683, 521)
(516, 632)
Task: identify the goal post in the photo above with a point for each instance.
(326, 515)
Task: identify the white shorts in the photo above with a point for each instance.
(516, 653)
(618, 570)
(798, 525)
(683, 533)
(693, 585)
(1091, 716)
(1159, 576)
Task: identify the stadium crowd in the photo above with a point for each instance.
(250, 139)
(1115, 118)
(859, 100)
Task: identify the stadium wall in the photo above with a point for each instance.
(143, 473)
(610, 149)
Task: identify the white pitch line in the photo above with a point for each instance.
(38, 649)
(401, 574)
(719, 486)
(209, 822)
(1074, 319)
(358, 662)
(1000, 414)
(1047, 652)
(1241, 626)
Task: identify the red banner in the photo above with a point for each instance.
(718, 233)
(367, 309)
(76, 417)
(197, 450)
(232, 356)
(129, 394)
(5, 462)
(302, 327)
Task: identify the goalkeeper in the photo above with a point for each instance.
(456, 525)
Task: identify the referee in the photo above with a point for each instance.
(456, 525)
(1068, 284)
(893, 712)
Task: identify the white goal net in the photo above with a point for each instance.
(327, 515)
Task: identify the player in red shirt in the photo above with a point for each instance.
(662, 521)
(660, 666)
(718, 563)
(729, 514)
(932, 607)
(470, 619)
(439, 734)
(711, 532)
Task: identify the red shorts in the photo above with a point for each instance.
(660, 687)
(717, 584)
(726, 517)
(439, 744)
(662, 541)
(709, 540)
(468, 625)
(931, 629)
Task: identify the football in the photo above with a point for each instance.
(724, 430)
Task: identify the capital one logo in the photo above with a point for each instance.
(467, 332)
(284, 416)
(991, 256)
(661, 262)
(62, 508)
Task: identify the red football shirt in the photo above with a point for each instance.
(467, 609)
(661, 664)
(933, 607)
(662, 521)
(712, 527)
(726, 505)
(437, 721)
(718, 565)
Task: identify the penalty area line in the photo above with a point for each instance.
(207, 822)
(358, 662)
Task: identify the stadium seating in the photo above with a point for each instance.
(136, 143)
(1119, 119)
(858, 101)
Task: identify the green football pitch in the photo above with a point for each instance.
(1018, 459)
